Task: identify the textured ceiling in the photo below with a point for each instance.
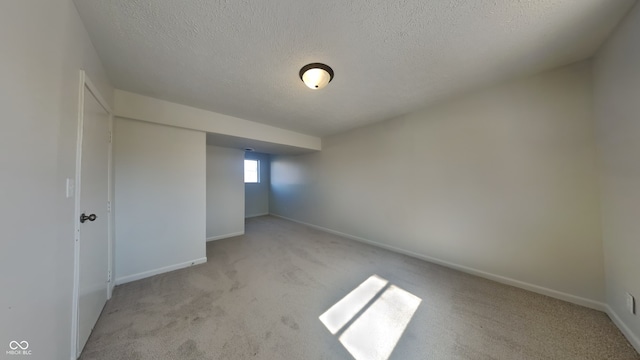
(241, 57)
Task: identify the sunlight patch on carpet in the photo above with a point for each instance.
(376, 331)
(344, 310)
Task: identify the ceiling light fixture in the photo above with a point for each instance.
(316, 75)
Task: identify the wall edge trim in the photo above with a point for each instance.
(220, 237)
(633, 339)
(146, 274)
(256, 215)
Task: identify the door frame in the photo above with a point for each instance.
(85, 82)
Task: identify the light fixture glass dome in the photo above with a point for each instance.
(316, 75)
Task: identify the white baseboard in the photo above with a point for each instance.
(498, 278)
(256, 215)
(633, 338)
(146, 274)
(219, 237)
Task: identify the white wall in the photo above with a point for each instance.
(160, 198)
(502, 182)
(225, 192)
(256, 201)
(617, 104)
(44, 45)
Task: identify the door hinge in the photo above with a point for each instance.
(108, 206)
(109, 276)
(110, 137)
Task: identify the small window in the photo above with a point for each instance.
(251, 171)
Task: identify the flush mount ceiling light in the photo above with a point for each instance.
(316, 75)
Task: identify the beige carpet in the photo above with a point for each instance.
(260, 297)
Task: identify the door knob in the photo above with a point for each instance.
(84, 217)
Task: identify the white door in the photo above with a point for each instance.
(94, 195)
